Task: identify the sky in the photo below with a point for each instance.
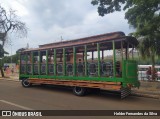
(49, 20)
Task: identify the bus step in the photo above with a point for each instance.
(125, 92)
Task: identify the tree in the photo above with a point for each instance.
(144, 16)
(7, 59)
(10, 23)
(2, 51)
(20, 50)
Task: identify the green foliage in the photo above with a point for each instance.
(144, 7)
(108, 6)
(143, 15)
(20, 50)
(7, 59)
(15, 57)
(9, 23)
(2, 52)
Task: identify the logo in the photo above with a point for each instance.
(6, 113)
(20, 113)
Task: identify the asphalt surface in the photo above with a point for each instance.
(14, 97)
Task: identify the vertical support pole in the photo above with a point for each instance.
(61, 57)
(46, 62)
(98, 49)
(32, 63)
(114, 59)
(102, 54)
(74, 61)
(85, 54)
(39, 62)
(122, 49)
(132, 52)
(55, 62)
(64, 62)
(26, 58)
(127, 48)
(121, 65)
(19, 54)
(126, 53)
(92, 55)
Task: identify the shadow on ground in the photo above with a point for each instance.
(95, 93)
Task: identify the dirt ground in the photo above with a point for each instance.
(148, 89)
(153, 86)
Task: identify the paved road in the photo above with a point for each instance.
(14, 96)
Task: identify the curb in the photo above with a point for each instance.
(9, 79)
(146, 95)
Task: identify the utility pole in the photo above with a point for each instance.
(61, 39)
(11, 52)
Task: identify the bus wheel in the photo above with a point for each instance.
(25, 83)
(79, 91)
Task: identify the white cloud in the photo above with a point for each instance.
(21, 10)
(15, 5)
(48, 20)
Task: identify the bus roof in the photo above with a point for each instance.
(117, 36)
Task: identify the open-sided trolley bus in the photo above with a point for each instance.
(103, 61)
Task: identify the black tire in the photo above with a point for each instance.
(25, 83)
(79, 91)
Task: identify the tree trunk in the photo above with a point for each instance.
(2, 73)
